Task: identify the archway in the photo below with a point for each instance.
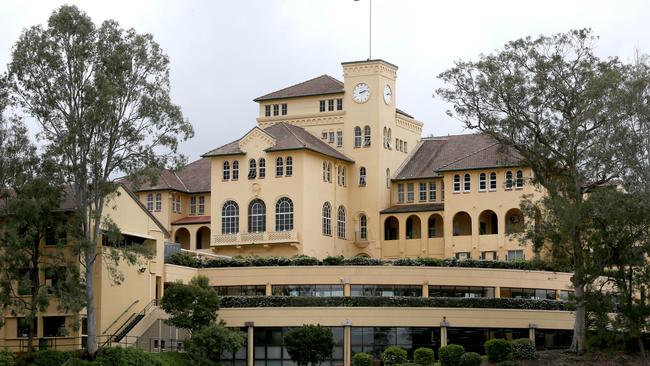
(514, 221)
(413, 227)
(203, 238)
(435, 226)
(488, 223)
(182, 236)
(462, 224)
(391, 228)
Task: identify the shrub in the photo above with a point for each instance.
(206, 345)
(362, 359)
(394, 355)
(497, 349)
(362, 261)
(470, 359)
(171, 358)
(333, 260)
(303, 260)
(7, 358)
(450, 355)
(424, 356)
(124, 356)
(507, 363)
(49, 357)
(523, 349)
(309, 344)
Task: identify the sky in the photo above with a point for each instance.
(226, 53)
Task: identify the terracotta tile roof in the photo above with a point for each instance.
(192, 178)
(416, 207)
(192, 220)
(435, 155)
(287, 137)
(323, 84)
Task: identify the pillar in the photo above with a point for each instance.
(425, 289)
(250, 346)
(192, 239)
(269, 289)
(531, 332)
(347, 290)
(347, 342)
(497, 292)
(443, 331)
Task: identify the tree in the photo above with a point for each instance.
(309, 344)
(102, 98)
(206, 345)
(561, 108)
(192, 306)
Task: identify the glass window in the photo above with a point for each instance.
(423, 192)
(158, 201)
(405, 147)
(54, 326)
(201, 205)
(230, 218)
(226, 170)
(284, 109)
(431, 224)
(150, 201)
(508, 182)
(235, 170)
(327, 219)
(256, 216)
(193, 205)
(22, 328)
(288, 169)
(279, 170)
(432, 191)
(442, 191)
(339, 138)
(362, 177)
(331, 137)
(519, 182)
(493, 181)
(262, 165)
(386, 290)
(400, 193)
(515, 255)
(276, 109)
(241, 290)
(410, 194)
(467, 183)
(330, 105)
(284, 214)
(357, 136)
(366, 136)
(324, 135)
(461, 291)
(339, 104)
(252, 169)
(340, 223)
(322, 105)
(463, 255)
(456, 183)
(329, 172)
(363, 227)
(482, 182)
(267, 110)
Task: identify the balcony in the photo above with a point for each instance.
(361, 241)
(264, 238)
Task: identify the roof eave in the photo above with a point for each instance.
(272, 149)
(265, 99)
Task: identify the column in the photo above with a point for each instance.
(425, 289)
(443, 331)
(250, 345)
(269, 289)
(192, 239)
(531, 331)
(497, 292)
(346, 287)
(347, 342)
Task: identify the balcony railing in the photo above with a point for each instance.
(266, 237)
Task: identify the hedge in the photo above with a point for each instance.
(415, 302)
(187, 260)
(450, 355)
(498, 349)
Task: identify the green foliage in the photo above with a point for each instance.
(406, 301)
(507, 363)
(206, 345)
(362, 261)
(49, 358)
(171, 358)
(470, 359)
(523, 349)
(424, 356)
(394, 355)
(7, 358)
(497, 349)
(309, 344)
(303, 260)
(192, 306)
(333, 260)
(362, 359)
(124, 356)
(450, 355)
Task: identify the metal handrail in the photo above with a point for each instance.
(120, 316)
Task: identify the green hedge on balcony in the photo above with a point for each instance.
(397, 302)
(187, 260)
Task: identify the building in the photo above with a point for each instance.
(334, 168)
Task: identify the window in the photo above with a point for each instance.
(54, 326)
(176, 203)
(463, 255)
(400, 193)
(340, 223)
(276, 109)
(241, 290)
(235, 170)
(528, 293)
(284, 109)
(158, 201)
(201, 205)
(288, 168)
(262, 165)
(366, 136)
(461, 291)
(387, 178)
(482, 182)
(362, 177)
(327, 219)
(357, 136)
(22, 328)
(519, 182)
(398, 144)
(432, 191)
(322, 106)
(515, 255)
(284, 214)
(342, 176)
(230, 218)
(489, 255)
(307, 290)
(410, 194)
(278, 167)
(389, 138)
(339, 104)
(456, 183)
(150, 202)
(423, 192)
(324, 172)
(256, 216)
(363, 227)
(252, 169)
(385, 141)
(339, 138)
(405, 148)
(324, 135)
(431, 227)
(386, 290)
(329, 172)
(442, 191)
(508, 182)
(467, 183)
(193, 205)
(493, 181)
(226, 170)
(331, 137)
(267, 110)
(330, 105)
(338, 175)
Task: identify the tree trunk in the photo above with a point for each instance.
(644, 360)
(30, 340)
(91, 325)
(578, 343)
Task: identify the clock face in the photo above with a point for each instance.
(388, 94)
(361, 93)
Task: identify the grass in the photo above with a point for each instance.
(171, 358)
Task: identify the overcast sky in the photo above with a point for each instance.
(225, 53)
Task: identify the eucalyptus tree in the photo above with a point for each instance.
(565, 111)
(101, 95)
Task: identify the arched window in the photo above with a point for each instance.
(413, 227)
(387, 178)
(324, 171)
(519, 182)
(256, 216)
(363, 227)
(235, 170)
(288, 168)
(252, 169)
(340, 223)
(230, 218)
(362, 177)
(327, 219)
(467, 183)
(508, 182)
(284, 214)
(338, 175)
(482, 182)
(385, 137)
(391, 228)
(366, 136)
(278, 167)
(329, 172)
(456, 183)
(390, 137)
(357, 136)
(343, 176)
(493, 181)
(226, 170)
(262, 165)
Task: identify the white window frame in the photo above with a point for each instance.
(467, 183)
(482, 182)
(493, 182)
(457, 183)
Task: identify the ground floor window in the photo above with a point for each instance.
(238, 358)
(375, 340)
(461, 291)
(270, 351)
(241, 290)
(308, 290)
(386, 290)
(473, 339)
(552, 339)
(54, 326)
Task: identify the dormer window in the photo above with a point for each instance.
(267, 110)
(276, 109)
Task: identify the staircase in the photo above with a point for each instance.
(130, 323)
